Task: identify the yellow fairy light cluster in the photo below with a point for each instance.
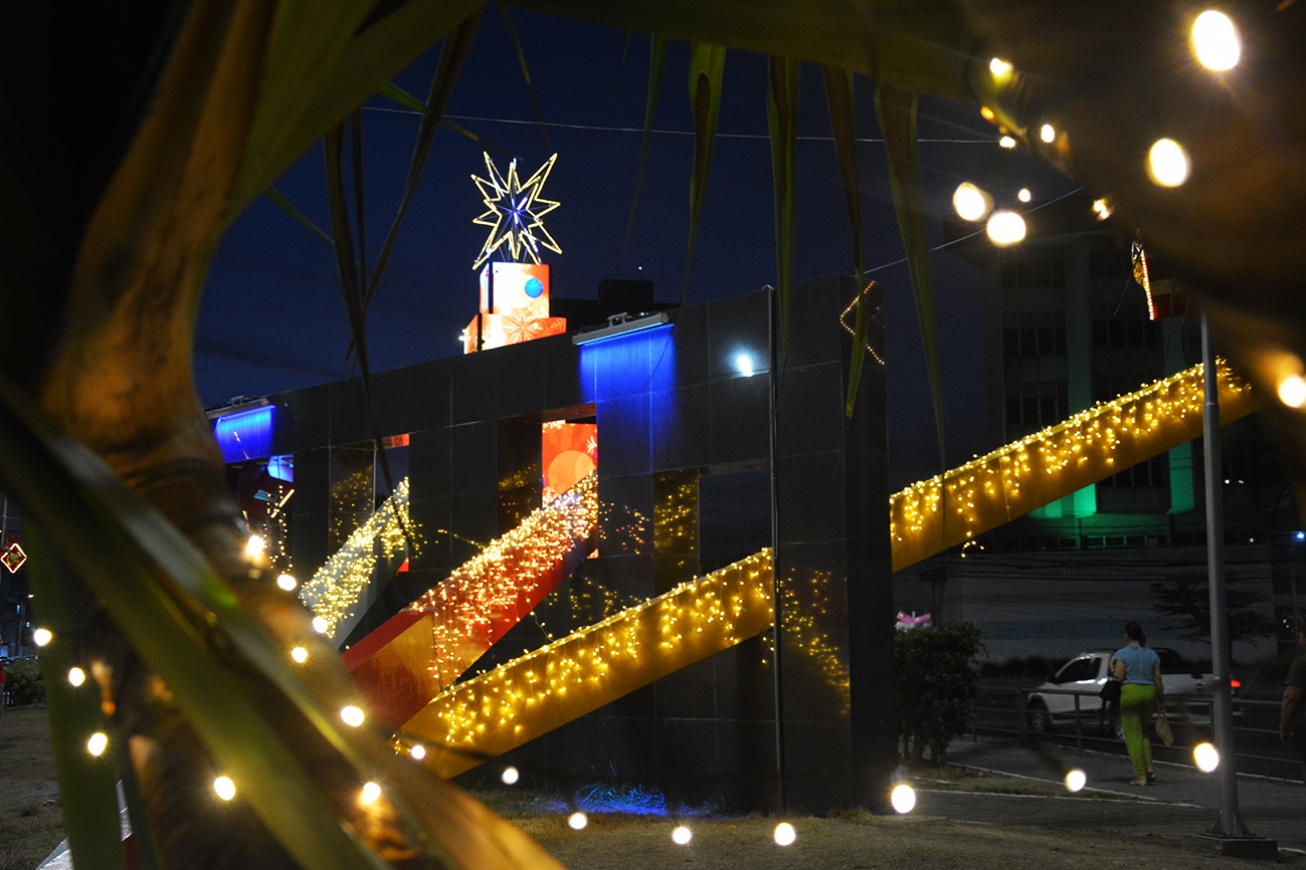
(801, 606)
(531, 695)
(335, 589)
(931, 515)
(492, 592)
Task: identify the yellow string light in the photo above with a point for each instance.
(334, 591)
(1091, 445)
(489, 714)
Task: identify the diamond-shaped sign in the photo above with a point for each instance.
(13, 557)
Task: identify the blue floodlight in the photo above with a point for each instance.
(245, 434)
(621, 325)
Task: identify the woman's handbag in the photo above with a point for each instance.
(1163, 729)
(1110, 691)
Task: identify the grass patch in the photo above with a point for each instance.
(31, 819)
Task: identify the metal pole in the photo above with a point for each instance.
(1229, 823)
(777, 684)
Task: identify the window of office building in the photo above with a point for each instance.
(1033, 268)
(1031, 406)
(1034, 334)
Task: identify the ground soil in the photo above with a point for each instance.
(31, 825)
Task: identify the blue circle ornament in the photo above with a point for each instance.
(534, 288)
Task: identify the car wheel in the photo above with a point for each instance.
(1039, 720)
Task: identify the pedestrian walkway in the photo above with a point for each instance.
(1182, 802)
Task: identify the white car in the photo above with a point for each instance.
(1083, 677)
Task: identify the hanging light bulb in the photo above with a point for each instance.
(682, 835)
(76, 676)
(577, 821)
(287, 582)
(1047, 133)
(1076, 779)
(1005, 228)
(785, 834)
(1000, 69)
(418, 751)
(42, 636)
(970, 202)
(320, 625)
(1024, 195)
(1007, 142)
(1167, 163)
(352, 716)
(299, 655)
(1215, 41)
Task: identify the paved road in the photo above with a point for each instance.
(1182, 802)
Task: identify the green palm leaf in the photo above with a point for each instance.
(897, 111)
(706, 68)
(657, 62)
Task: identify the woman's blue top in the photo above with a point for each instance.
(1139, 662)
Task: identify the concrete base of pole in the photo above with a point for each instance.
(1235, 847)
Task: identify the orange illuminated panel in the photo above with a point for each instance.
(569, 451)
(514, 307)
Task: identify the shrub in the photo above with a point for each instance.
(935, 685)
(23, 681)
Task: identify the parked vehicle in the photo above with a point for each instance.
(1082, 679)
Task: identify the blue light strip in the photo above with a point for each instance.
(245, 435)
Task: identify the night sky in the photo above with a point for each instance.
(273, 319)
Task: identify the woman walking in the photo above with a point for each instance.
(1141, 694)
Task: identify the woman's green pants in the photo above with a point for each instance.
(1137, 704)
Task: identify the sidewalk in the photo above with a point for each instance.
(1182, 802)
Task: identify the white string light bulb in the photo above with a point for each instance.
(287, 582)
(418, 751)
(903, 798)
(97, 743)
(510, 775)
(1206, 757)
(370, 794)
(682, 835)
(1292, 391)
(1005, 228)
(970, 202)
(1007, 142)
(299, 655)
(1047, 133)
(1024, 195)
(1167, 163)
(224, 787)
(1076, 779)
(42, 636)
(319, 625)
(785, 834)
(577, 821)
(1215, 41)
(76, 676)
(352, 716)
(255, 547)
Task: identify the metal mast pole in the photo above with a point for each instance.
(1229, 823)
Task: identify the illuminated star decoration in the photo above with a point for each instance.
(514, 212)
